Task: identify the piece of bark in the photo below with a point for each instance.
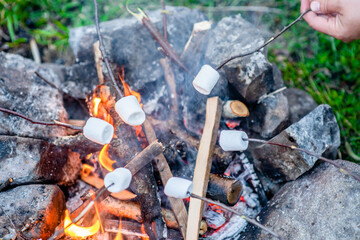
(177, 205)
(170, 80)
(203, 165)
(223, 189)
(98, 60)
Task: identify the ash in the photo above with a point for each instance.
(226, 225)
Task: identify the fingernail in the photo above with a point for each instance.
(315, 6)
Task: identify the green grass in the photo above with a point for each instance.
(326, 68)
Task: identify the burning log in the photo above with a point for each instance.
(203, 165)
(225, 190)
(235, 109)
(132, 210)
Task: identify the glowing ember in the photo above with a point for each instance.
(96, 106)
(77, 231)
(145, 236)
(105, 160)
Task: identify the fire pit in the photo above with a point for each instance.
(59, 173)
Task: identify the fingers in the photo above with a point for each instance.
(325, 6)
(324, 24)
(305, 5)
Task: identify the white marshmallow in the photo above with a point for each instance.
(232, 140)
(120, 178)
(178, 187)
(130, 110)
(98, 130)
(206, 79)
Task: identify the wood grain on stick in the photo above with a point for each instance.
(98, 60)
(177, 205)
(203, 165)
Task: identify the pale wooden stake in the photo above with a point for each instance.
(177, 205)
(203, 165)
(98, 61)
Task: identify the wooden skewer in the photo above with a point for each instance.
(203, 165)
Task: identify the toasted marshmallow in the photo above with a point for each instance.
(206, 79)
(130, 110)
(178, 187)
(98, 130)
(120, 178)
(232, 140)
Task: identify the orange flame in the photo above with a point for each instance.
(119, 235)
(96, 106)
(145, 236)
(77, 231)
(127, 89)
(104, 159)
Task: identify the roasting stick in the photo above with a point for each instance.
(208, 76)
(203, 165)
(127, 107)
(233, 140)
(115, 181)
(183, 188)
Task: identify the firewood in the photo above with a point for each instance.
(98, 60)
(177, 205)
(225, 190)
(132, 210)
(203, 165)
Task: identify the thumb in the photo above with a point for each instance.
(325, 6)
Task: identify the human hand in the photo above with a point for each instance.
(337, 18)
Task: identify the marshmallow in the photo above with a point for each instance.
(232, 140)
(130, 110)
(120, 178)
(98, 130)
(206, 79)
(178, 187)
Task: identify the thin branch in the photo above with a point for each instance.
(82, 213)
(166, 47)
(265, 44)
(307, 152)
(54, 123)
(250, 220)
(102, 49)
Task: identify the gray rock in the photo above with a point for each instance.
(278, 80)
(270, 116)
(130, 44)
(317, 132)
(251, 76)
(322, 204)
(22, 91)
(25, 160)
(300, 102)
(36, 209)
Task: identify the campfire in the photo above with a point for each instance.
(180, 146)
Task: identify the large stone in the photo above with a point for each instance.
(300, 102)
(317, 132)
(251, 76)
(130, 44)
(270, 116)
(322, 204)
(25, 160)
(35, 210)
(22, 91)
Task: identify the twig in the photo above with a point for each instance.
(307, 152)
(252, 221)
(102, 49)
(54, 123)
(270, 94)
(260, 9)
(169, 51)
(265, 44)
